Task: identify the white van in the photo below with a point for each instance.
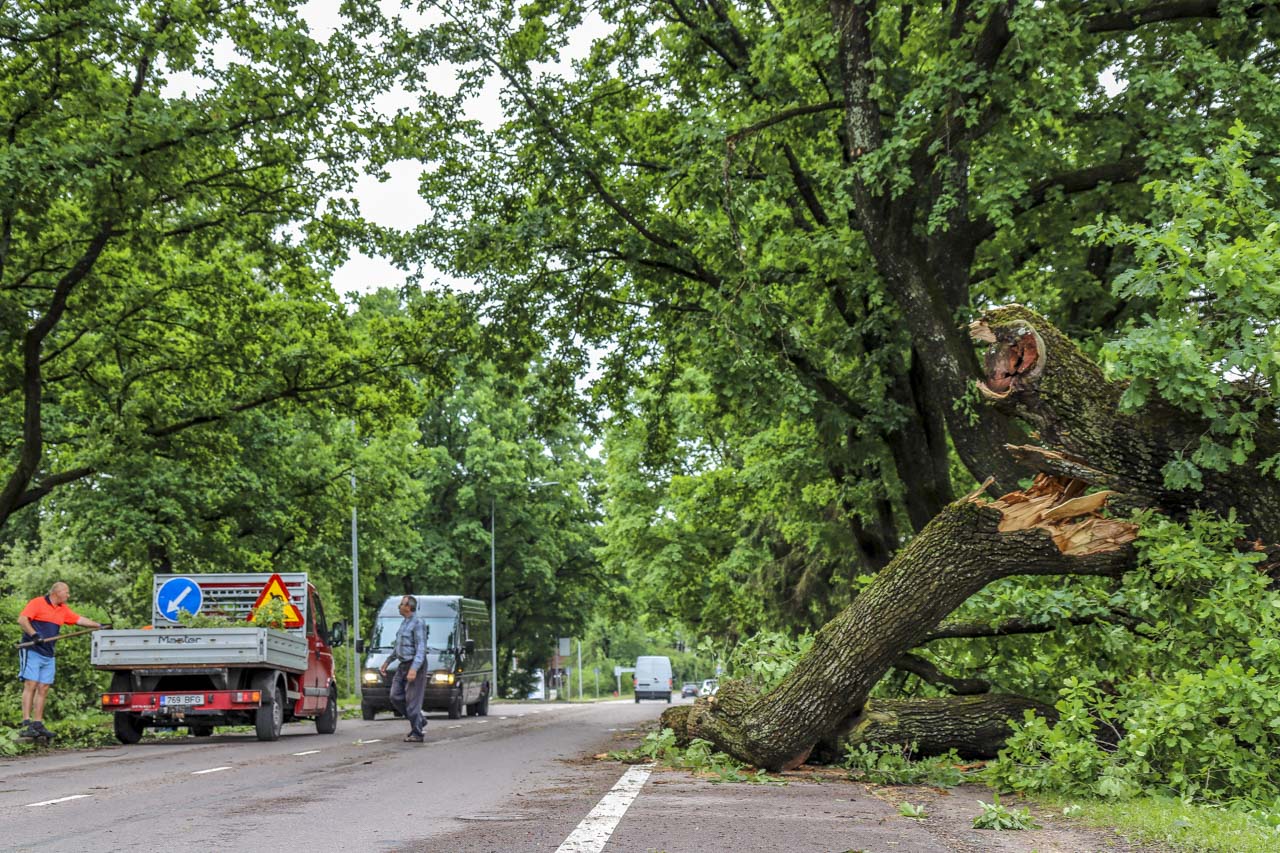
(653, 678)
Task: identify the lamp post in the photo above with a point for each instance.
(355, 597)
(493, 580)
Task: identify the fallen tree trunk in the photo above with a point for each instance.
(974, 726)
(967, 546)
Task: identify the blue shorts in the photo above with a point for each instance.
(35, 667)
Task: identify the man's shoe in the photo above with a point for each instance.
(413, 738)
(30, 730)
(44, 732)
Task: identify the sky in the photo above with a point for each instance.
(395, 203)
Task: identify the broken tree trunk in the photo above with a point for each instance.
(1038, 374)
(974, 726)
(967, 546)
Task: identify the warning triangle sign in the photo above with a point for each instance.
(275, 589)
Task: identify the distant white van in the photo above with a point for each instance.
(653, 678)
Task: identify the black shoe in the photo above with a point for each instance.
(30, 730)
(39, 724)
(413, 738)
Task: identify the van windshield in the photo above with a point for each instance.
(439, 633)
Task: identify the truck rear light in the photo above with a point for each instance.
(243, 696)
(114, 699)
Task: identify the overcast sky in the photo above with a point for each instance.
(395, 203)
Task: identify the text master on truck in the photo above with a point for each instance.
(459, 661)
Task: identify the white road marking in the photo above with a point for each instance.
(458, 726)
(210, 770)
(308, 752)
(372, 740)
(59, 800)
(593, 833)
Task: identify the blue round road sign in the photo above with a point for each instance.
(176, 595)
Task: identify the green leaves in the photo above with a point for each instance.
(1207, 270)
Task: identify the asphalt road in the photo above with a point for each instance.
(360, 789)
(522, 780)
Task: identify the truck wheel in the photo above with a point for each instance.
(269, 718)
(200, 730)
(327, 722)
(367, 712)
(482, 707)
(455, 706)
(128, 727)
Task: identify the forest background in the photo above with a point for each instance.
(719, 275)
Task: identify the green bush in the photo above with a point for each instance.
(893, 765)
(1193, 704)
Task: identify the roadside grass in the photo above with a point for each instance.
(1172, 822)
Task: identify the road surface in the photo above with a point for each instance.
(360, 789)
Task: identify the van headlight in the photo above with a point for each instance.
(442, 678)
(371, 676)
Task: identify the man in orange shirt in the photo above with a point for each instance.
(41, 619)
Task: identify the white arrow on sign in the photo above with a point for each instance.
(173, 605)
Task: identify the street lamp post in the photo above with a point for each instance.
(493, 582)
(355, 597)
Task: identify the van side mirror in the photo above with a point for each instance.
(337, 633)
(471, 647)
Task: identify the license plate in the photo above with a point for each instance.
(183, 699)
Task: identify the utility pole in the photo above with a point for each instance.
(493, 593)
(355, 595)
(579, 670)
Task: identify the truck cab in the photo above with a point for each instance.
(458, 664)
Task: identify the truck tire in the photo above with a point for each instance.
(367, 712)
(455, 706)
(128, 726)
(327, 722)
(268, 720)
(482, 707)
(200, 729)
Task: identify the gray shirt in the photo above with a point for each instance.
(411, 642)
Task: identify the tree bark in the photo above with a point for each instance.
(974, 726)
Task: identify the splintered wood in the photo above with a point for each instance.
(1073, 519)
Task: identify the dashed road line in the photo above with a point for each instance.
(59, 800)
(210, 770)
(593, 833)
(308, 752)
(371, 740)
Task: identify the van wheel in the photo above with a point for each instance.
(668, 698)
(128, 727)
(327, 722)
(455, 706)
(268, 720)
(637, 700)
(367, 712)
(480, 707)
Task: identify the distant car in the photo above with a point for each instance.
(708, 687)
(690, 688)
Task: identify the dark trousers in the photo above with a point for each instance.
(406, 697)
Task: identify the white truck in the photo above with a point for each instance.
(166, 675)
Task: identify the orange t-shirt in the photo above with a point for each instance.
(47, 620)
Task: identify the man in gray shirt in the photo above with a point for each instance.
(409, 681)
